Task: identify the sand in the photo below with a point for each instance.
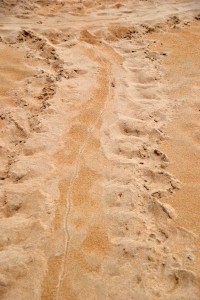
(99, 150)
(182, 147)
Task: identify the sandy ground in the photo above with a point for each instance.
(99, 152)
(182, 147)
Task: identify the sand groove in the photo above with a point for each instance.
(69, 198)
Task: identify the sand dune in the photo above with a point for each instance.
(99, 150)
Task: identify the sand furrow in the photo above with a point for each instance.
(69, 198)
(100, 101)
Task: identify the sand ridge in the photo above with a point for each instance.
(84, 180)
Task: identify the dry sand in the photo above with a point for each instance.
(182, 147)
(99, 150)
